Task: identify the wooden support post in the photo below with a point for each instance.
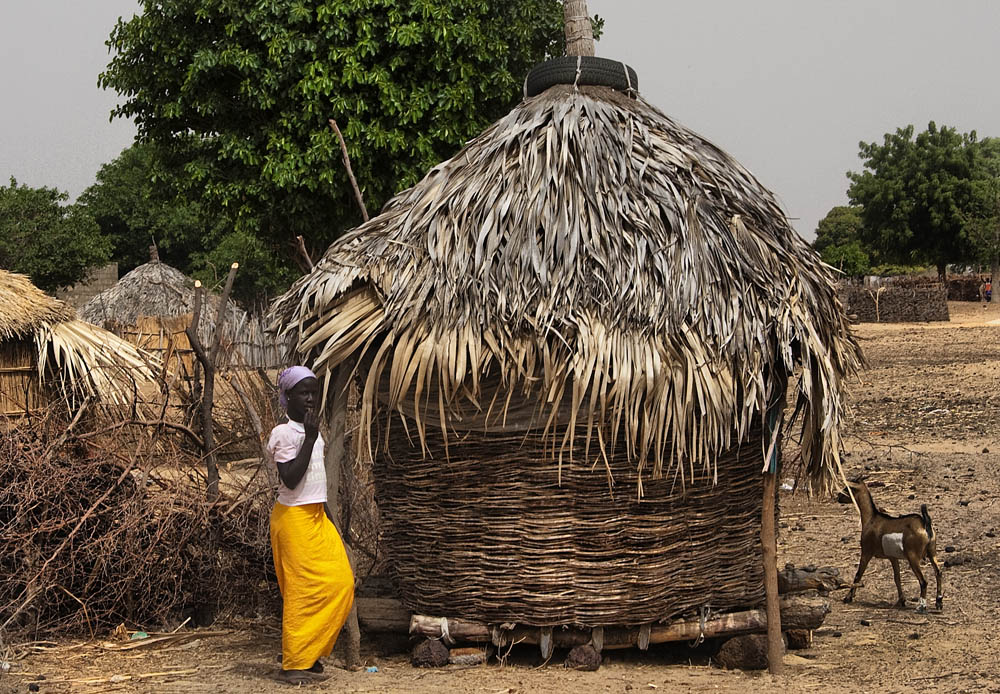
(208, 358)
(642, 641)
(335, 460)
(545, 642)
(773, 420)
(578, 29)
(597, 638)
(769, 550)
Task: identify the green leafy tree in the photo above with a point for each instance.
(53, 243)
(242, 92)
(838, 241)
(916, 194)
(985, 219)
(136, 203)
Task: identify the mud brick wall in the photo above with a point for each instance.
(895, 304)
(96, 281)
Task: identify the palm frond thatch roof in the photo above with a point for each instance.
(79, 357)
(593, 252)
(156, 289)
(24, 307)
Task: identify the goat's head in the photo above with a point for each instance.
(853, 483)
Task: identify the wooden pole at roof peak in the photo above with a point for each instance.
(579, 31)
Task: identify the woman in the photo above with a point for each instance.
(314, 575)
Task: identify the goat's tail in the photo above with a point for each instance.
(926, 518)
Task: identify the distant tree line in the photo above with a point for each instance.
(925, 199)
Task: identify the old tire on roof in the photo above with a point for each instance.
(598, 72)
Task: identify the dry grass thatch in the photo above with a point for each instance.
(590, 251)
(24, 307)
(161, 291)
(155, 289)
(81, 359)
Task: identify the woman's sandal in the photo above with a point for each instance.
(300, 677)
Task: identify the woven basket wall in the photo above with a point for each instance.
(491, 535)
(20, 392)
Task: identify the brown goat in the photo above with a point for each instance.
(888, 537)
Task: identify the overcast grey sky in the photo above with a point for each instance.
(789, 87)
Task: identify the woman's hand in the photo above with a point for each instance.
(311, 425)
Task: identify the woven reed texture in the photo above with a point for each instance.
(491, 534)
(19, 388)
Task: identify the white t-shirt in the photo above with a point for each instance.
(284, 444)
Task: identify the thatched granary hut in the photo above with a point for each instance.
(45, 350)
(153, 304)
(575, 337)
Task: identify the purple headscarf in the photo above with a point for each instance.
(287, 380)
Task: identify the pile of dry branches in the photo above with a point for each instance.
(107, 523)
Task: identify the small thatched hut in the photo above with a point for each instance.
(42, 344)
(153, 304)
(575, 338)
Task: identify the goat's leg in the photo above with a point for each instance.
(915, 565)
(901, 602)
(939, 603)
(862, 565)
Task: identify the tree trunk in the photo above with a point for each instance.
(579, 31)
(942, 270)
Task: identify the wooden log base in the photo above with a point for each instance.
(797, 612)
(799, 580)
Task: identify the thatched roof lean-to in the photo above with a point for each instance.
(155, 289)
(618, 267)
(80, 357)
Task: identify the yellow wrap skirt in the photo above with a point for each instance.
(316, 582)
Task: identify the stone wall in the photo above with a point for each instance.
(964, 287)
(889, 304)
(97, 280)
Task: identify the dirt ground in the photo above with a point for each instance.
(925, 427)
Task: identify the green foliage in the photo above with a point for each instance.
(893, 270)
(241, 93)
(267, 273)
(850, 258)
(984, 220)
(136, 202)
(916, 194)
(54, 244)
(838, 241)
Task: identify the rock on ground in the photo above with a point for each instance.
(430, 653)
(747, 652)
